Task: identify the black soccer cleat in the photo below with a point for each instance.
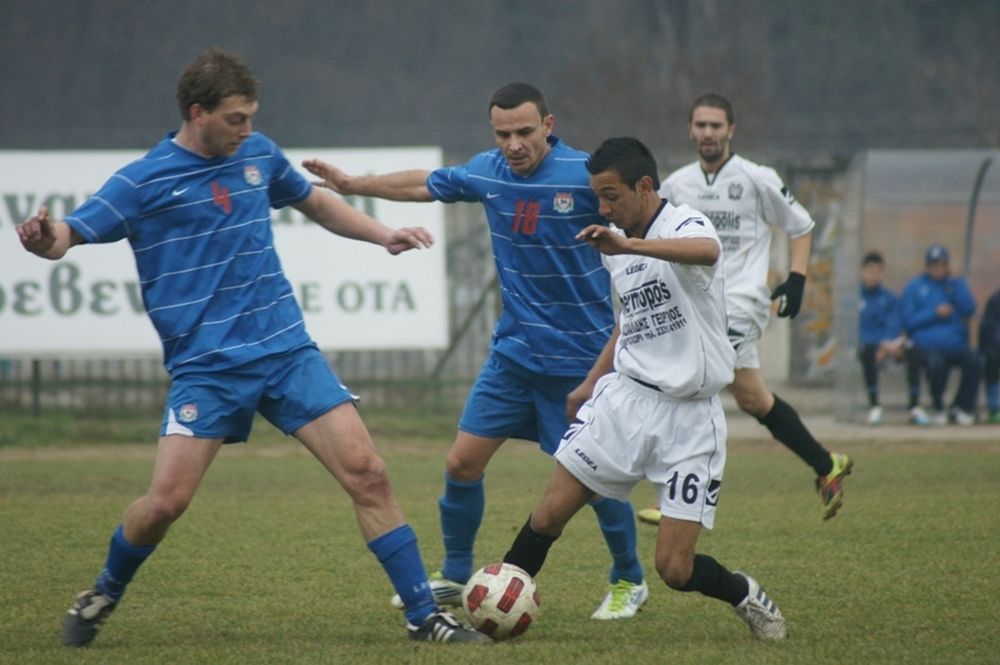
(85, 618)
(443, 627)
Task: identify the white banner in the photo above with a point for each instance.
(354, 295)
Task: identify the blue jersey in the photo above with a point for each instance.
(556, 296)
(878, 319)
(200, 230)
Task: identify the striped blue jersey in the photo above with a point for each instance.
(200, 230)
(557, 312)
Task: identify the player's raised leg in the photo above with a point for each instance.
(181, 462)
(340, 440)
(755, 398)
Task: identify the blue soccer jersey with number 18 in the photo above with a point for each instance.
(557, 312)
(200, 230)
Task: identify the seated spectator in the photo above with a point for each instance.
(880, 337)
(935, 309)
(989, 347)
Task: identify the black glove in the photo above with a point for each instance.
(789, 294)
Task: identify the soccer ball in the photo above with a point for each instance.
(501, 600)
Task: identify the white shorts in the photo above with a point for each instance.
(743, 335)
(627, 432)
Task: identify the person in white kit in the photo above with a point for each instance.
(745, 201)
(652, 407)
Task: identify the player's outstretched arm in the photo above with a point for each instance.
(42, 236)
(336, 216)
(691, 251)
(398, 186)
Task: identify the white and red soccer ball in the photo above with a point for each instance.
(501, 600)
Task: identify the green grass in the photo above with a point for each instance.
(267, 566)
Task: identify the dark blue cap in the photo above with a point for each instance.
(936, 253)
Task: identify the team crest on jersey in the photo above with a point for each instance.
(188, 413)
(252, 175)
(735, 191)
(563, 202)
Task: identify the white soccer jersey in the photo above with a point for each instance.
(743, 200)
(673, 317)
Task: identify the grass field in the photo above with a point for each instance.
(268, 567)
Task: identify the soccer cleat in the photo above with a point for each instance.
(649, 516)
(831, 486)
(919, 417)
(84, 619)
(963, 418)
(446, 593)
(442, 626)
(938, 419)
(622, 601)
(875, 416)
(760, 613)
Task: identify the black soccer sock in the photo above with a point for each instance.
(787, 427)
(529, 549)
(709, 577)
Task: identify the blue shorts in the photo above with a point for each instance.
(290, 390)
(508, 401)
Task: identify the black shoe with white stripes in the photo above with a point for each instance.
(443, 627)
(84, 619)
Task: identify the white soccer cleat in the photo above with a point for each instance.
(963, 418)
(875, 416)
(919, 417)
(760, 613)
(622, 601)
(938, 419)
(446, 593)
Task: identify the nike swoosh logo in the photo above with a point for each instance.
(178, 192)
(491, 195)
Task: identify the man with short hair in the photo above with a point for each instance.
(745, 201)
(880, 338)
(652, 407)
(556, 317)
(935, 309)
(196, 212)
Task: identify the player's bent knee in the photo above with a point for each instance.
(674, 570)
(166, 509)
(462, 469)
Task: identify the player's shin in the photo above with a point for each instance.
(399, 555)
(529, 549)
(123, 561)
(461, 510)
(711, 578)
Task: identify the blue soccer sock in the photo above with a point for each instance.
(123, 560)
(400, 558)
(617, 522)
(461, 514)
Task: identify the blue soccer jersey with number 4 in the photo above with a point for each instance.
(200, 230)
(556, 297)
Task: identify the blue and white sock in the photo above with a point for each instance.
(400, 558)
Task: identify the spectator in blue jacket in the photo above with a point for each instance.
(989, 347)
(935, 311)
(881, 338)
